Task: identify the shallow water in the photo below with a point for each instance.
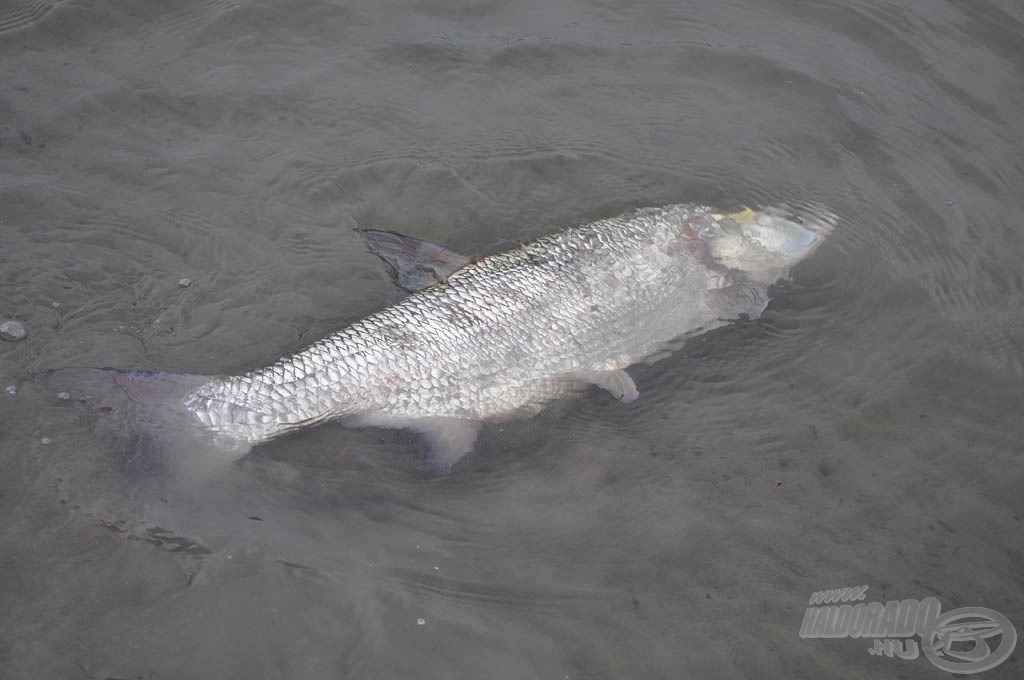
(865, 431)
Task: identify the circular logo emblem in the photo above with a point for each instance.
(961, 640)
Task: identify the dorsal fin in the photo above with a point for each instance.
(413, 264)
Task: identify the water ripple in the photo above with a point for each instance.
(24, 13)
(191, 19)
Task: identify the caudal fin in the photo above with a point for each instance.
(142, 410)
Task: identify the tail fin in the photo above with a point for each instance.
(143, 409)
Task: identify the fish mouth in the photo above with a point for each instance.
(783, 230)
(813, 217)
(765, 243)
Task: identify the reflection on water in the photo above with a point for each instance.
(864, 430)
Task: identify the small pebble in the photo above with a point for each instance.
(12, 331)
(56, 305)
(11, 390)
(44, 441)
(63, 396)
(421, 622)
(185, 283)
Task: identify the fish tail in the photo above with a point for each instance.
(145, 451)
(142, 410)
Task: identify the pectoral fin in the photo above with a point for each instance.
(617, 382)
(738, 300)
(448, 440)
(413, 264)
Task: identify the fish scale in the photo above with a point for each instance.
(536, 311)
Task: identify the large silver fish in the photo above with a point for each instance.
(482, 340)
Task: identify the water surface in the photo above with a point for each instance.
(865, 431)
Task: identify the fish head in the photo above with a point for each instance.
(763, 244)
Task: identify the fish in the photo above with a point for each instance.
(480, 340)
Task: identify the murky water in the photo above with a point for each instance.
(866, 431)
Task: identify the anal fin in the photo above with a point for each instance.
(448, 440)
(617, 382)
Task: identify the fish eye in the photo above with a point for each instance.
(707, 232)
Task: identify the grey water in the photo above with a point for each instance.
(866, 430)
